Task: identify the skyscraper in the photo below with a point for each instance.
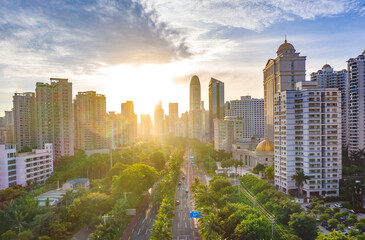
(356, 103)
(307, 128)
(328, 78)
(90, 121)
(216, 103)
(129, 123)
(55, 116)
(24, 111)
(194, 108)
(159, 120)
(251, 112)
(280, 74)
(146, 126)
(173, 117)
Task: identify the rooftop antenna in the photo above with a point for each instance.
(285, 39)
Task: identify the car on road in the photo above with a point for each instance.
(338, 205)
(177, 202)
(345, 232)
(353, 211)
(187, 190)
(179, 182)
(183, 177)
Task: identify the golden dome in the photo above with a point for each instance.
(265, 146)
(286, 46)
(363, 52)
(326, 66)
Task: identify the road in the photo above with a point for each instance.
(182, 224)
(144, 224)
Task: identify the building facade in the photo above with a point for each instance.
(24, 112)
(216, 103)
(328, 78)
(173, 118)
(129, 123)
(356, 103)
(7, 166)
(227, 131)
(90, 121)
(55, 116)
(34, 167)
(194, 108)
(158, 120)
(251, 111)
(307, 138)
(280, 74)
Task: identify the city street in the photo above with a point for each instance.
(141, 231)
(182, 224)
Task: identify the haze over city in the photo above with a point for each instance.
(147, 51)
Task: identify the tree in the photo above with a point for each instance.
(253, 227)
(258, 168)
(25, 235)
(300, 178)
(303, 225)
(324, 217)
(209, 227)
(270, 173)
(333, 236)
(158, 159)
(336, 209)
(9, 235)
(333, 223)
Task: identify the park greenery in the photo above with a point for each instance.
(134, 170)
(164, 198)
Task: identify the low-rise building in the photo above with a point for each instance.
(263, 154)
(76, 183)
(7, 165)
(34, 167)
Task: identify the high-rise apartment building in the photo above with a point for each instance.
(146, 126)
(216, 103)
(173, 118)
(129, 123)
(55, 116)
(159, 120)
(24, 112)
(7, 128)
(227, 131)
(356, 103)
(183, 125)
(194, 108)
(280, 74)
(307, 138)
(251, 112)
(328, 78)
(90, 121)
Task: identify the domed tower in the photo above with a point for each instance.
(281, 74)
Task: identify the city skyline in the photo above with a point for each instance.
(39, 44)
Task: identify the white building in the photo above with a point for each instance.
(328, 78)
(7, 165)
(227, 131)
(307, 137)
(76, 183)
(356, 103)
(251, 111)
(34, 167)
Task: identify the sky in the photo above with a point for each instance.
(148, 50)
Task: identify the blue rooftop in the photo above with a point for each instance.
(78, 180)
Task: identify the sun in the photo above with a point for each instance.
(146, 85)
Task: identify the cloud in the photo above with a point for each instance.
(249, 14)
(83, 35)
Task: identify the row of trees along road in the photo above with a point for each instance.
(165, 196)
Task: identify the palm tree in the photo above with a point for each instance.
(300, 178)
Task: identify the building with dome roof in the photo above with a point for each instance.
(328, 78)
(356, 103)
(251, 156)
(281, 74)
